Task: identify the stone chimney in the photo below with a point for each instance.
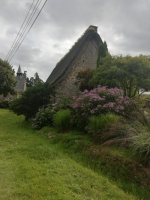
(93, 27)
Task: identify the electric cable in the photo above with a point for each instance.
(19, 31)
(26, 26)
(28, 30)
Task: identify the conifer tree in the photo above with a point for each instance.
(102, 52)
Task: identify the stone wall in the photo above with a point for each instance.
(87, 58)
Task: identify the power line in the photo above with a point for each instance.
(26, 26)
(29, 29)
(19, 31)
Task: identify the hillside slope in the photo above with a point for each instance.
(31, 167)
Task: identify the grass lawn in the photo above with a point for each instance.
(32, 167)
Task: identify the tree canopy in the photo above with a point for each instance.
(102, 52)
(128, 73)
(33, 80)
(7, 79)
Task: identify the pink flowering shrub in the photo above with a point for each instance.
(98, 101)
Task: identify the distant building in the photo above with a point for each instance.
(21, 85)
(142, 91)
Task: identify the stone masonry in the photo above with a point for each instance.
(85, 57)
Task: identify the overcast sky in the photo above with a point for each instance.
(123, 24)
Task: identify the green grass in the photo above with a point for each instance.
(35, 167)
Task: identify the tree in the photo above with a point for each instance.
(32, 100)
(102, 52)
(7, 79)
(127, 73)
(37, 79)
(33, 80)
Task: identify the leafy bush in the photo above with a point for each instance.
(44, 117)
(4, 103)
(97, 124)
(62, 104)
(32, 100)
(98, 101)
(127, 73)
(62, 120)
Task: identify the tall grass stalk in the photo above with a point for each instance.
(98, 124)
(62, 120)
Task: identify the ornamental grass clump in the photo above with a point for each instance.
(98, 101)
(98, 124)
(139, 135)
(62, 120)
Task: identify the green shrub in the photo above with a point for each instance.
(32, 100)
(15, 104)
(97, 124)
(4, 103)
(43, 118)
(62, 104)
(62, 120)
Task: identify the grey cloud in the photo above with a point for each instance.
(123, 24)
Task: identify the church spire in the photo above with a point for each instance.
(19, 72)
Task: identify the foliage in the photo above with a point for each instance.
(4, 103)
(32, 100)
(102, 52)
(7, 79)
(139, 135)
(98, 124)
(62, 120)
(131, 133)
(44, 117)
(62, 104)
(84, 78)
(33, 80)
(127, 73)
(98, 101)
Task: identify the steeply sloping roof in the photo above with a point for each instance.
(19, 70)
(65, 64)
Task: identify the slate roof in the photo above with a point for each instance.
(19, 70)
(65, 64)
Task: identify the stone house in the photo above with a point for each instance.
(83, 55)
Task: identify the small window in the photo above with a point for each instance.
(83, 60)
